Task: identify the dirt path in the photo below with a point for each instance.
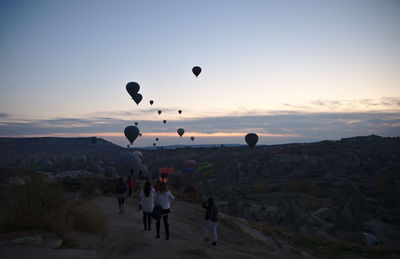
(126, 238)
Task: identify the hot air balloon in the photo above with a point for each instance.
(136, 123)
(192, 138)
(93, 140)
(164, 121)
(251, 139)
(151, 102)
(159, 112)
(137, 98)
(139, 154)
(127, 164)
(156, 139)
(132, 88)
(196, 71)
(190, 163)
(180, 131)
(154, 144)
(131, 133)
(180, 111)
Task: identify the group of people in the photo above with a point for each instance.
(159, 195)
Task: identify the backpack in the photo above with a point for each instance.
(120, 188)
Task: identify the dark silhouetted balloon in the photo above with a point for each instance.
(180, 111)
(156, 139)
(180, 131)
(192, 138)
(154, 144)
(136, 123)
(164, 121)
(251, 139)
(137, 98)
(151, 102)
(159, 112)
(131, 133)
(196, 71)
(132, 88)
(93, 140)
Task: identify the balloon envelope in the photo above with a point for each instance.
(151, 102)
(251, 139)
(196, 71)
(164, 121)
(156, 139)
(137, 98)
(136, 123)
(192, 138)
(180, 111)
(190, 163)
(131, 133)
(139, 154)
(126, 163)
(132, 88)
(180, 131)
(159, 111)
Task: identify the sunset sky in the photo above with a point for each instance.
(290, 71)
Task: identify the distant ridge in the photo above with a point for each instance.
(9, 146)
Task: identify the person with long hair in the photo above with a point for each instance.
(211, 218)
(162, 198)
(146, 201)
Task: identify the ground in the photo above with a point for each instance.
(126, 238)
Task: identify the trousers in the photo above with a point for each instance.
(213, 225)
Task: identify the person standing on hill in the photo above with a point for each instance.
(121, 191)
(147, 203)
(162, 198)
(211, 218)
(129, 183)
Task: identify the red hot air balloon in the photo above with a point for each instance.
(196, 71)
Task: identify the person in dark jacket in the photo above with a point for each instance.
(211, 218)
(120, 189)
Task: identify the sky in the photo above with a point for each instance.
(290, 71)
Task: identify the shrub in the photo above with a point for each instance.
(262, 188)
(39, 205)
(302, 186)
(29, 206)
